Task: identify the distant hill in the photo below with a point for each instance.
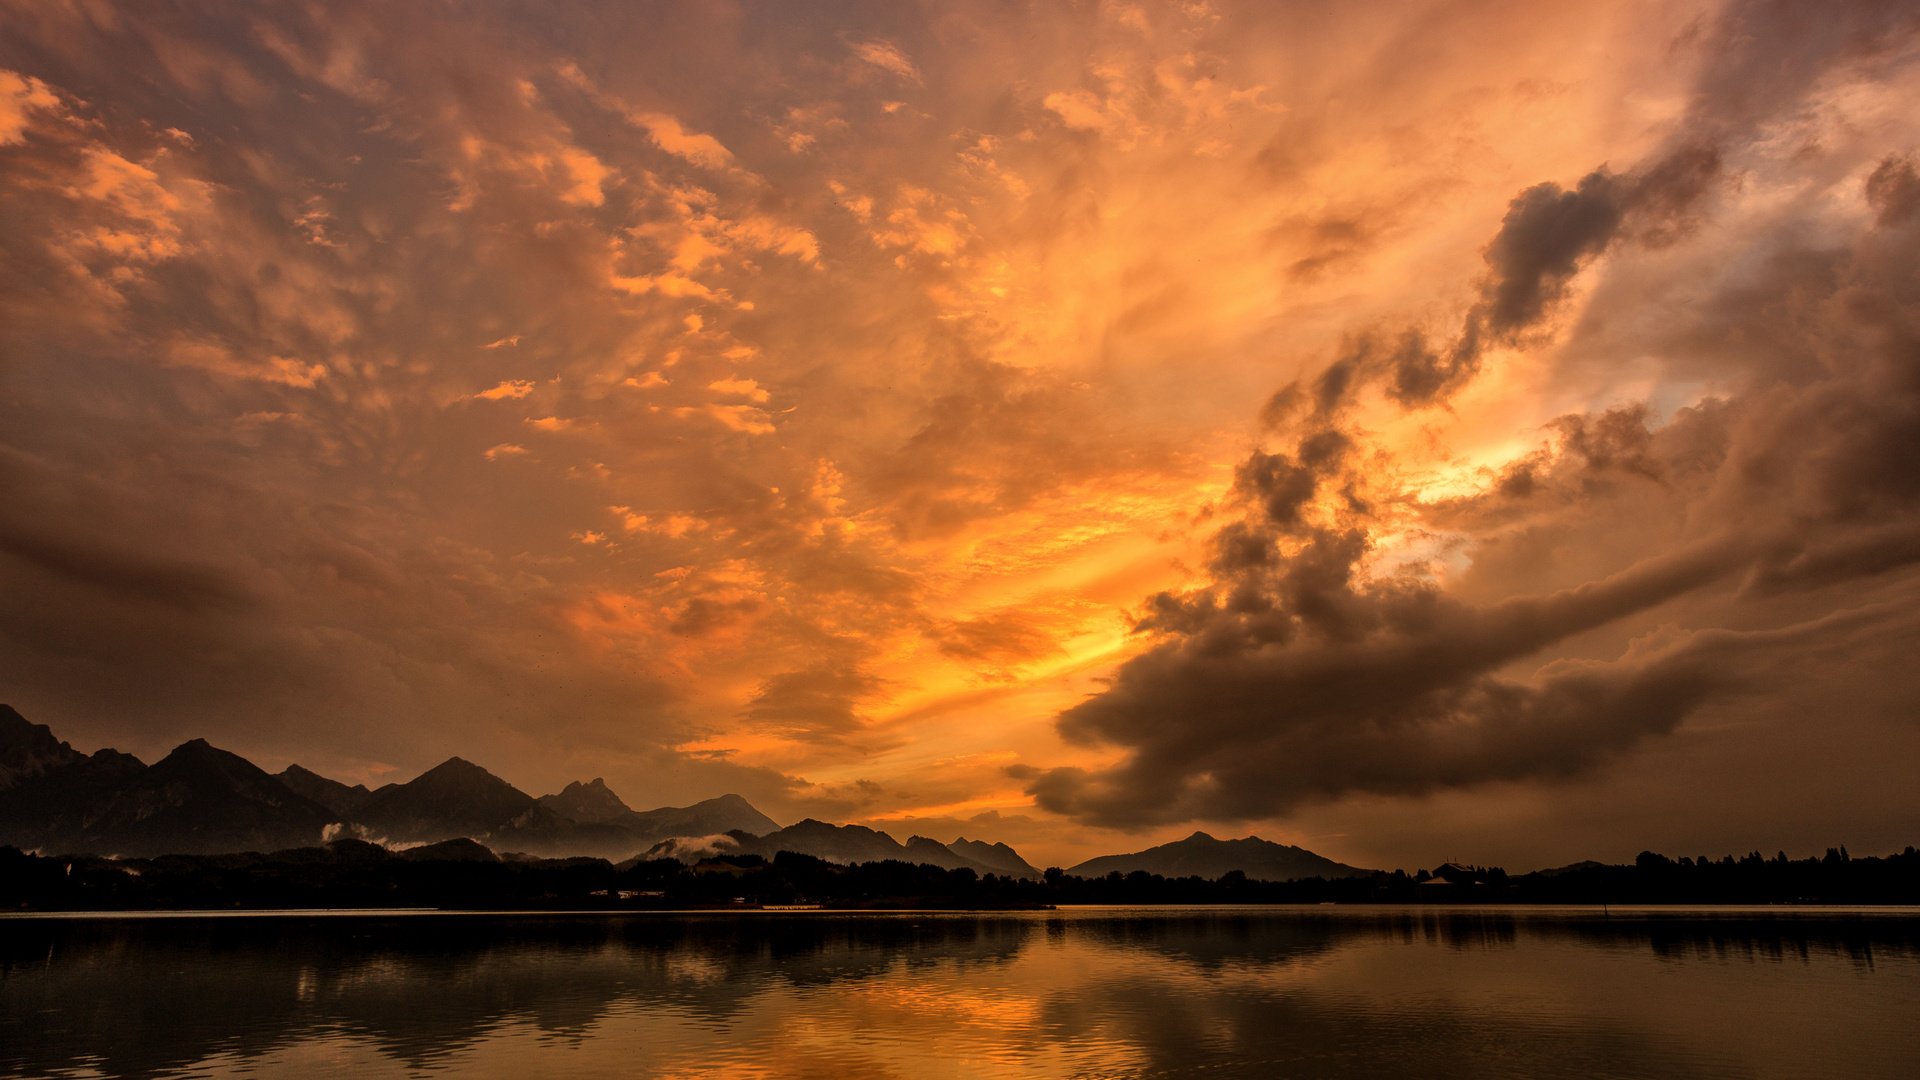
(834, 843)
(1002, 859)
(694, 849)
(332, 794)
(921, 849)
(847, 844)
(1572, 868)
(1200, 855)
(455, 798)
(459, 850)
(595, 806)
(726, 813)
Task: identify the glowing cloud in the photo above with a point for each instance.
(510, 389)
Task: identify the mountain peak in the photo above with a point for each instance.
(326, 791)
(28, 750)
(1201, 855)
(201, 754)
(455, 797)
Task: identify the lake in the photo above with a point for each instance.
(1088, 992)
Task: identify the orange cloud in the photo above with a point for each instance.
(742, 418)
(509, 389)
(887, 57)
(746, 388)
(19, 97)
(700, 149)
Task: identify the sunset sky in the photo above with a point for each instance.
(1407, 430)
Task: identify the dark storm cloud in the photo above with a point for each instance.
(1548, 234)
(1304, 673)
(1401, 723)
(1548, 231)
(1298, 677)
(1763, 59)
(1300, 682)
(1894, 191)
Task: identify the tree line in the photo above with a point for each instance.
(355, 874)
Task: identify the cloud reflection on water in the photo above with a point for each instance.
(1085, 993)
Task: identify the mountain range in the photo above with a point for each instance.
(201, 800)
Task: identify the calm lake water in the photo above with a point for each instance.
(1138, 992)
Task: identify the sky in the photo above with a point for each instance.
(1479, 430)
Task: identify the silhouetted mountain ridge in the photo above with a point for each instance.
(197, 800)
(201, 799)
(1201, 855)
(725, 813)
(454, 798)
(589, 802)
(331, 794)
(29, 750)
(1003, 859)
(846, 844)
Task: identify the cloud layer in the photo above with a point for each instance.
(820, 403)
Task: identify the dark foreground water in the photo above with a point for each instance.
(1316, 992)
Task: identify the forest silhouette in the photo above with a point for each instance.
(465, 875)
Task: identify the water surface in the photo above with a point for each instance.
(1136, 993)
